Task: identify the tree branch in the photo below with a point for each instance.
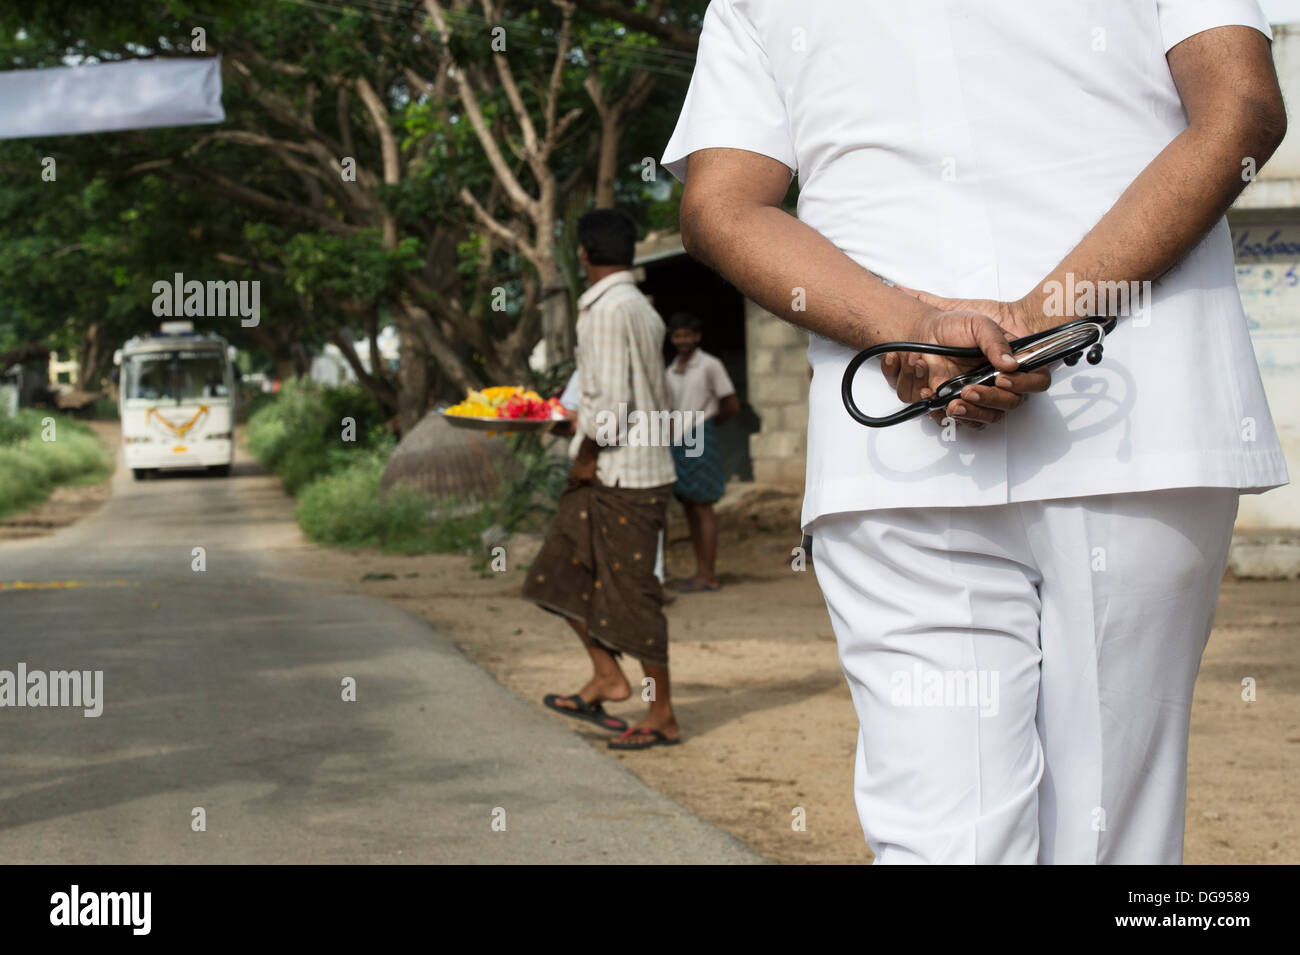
(278, 106)
(261, 200)
(503, 233)
(345, 125)
(670, 34)
(516, 193)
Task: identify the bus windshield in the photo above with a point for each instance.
(178, 375)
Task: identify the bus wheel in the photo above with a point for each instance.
(220, 470)
(140, 474)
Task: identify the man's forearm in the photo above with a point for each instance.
(584, 466)
(1189, 186)
(792, 270)
(1167, 210)
(728, 408)
(588, 449)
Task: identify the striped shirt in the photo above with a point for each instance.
(620, 371)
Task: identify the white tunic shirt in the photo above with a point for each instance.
(699, 387)
(964, 147)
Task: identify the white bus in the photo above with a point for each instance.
(177, 401)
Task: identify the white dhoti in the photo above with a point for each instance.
(1023, 673)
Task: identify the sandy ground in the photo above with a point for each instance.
(767, 717)
(763, 705)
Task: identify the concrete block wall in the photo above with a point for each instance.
(778, 392)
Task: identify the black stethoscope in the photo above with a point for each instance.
(1066, 343)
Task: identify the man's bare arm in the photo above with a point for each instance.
(1235, 113)
(728, 408)
(732, 220)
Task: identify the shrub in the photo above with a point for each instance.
(30, 468)
(298, 434)
(528, 498)
(337, 484)
(12, 429)
(254, 403)
(345, 509)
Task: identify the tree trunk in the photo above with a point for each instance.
(88, 359)
(557, 326)
(412, 374)
(380, 387)
(611, 132)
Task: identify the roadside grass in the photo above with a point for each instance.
(337, 484)
(31, 467)
(346, 509)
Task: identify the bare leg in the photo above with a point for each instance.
(693, 520)
(704, 539)
(707, 549)
(661, 716)
(607, 683)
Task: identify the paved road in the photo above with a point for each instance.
(222, 690)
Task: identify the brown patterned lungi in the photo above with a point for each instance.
(597, 565)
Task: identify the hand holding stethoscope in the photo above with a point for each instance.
(935, 376)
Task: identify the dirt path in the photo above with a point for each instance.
(769, 722)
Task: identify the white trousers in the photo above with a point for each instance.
(1023, 673)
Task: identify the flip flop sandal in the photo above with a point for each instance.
(584, 711)
(686, 587)
(657, 739)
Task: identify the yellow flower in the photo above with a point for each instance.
(484, 404)
(500, 394)
(472, 409)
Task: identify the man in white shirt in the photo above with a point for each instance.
(1020, 602)
(700, 388)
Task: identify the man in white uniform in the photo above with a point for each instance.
(1021, 601)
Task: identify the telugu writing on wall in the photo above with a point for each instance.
(1268, 278)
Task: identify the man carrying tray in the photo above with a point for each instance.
(596, 567)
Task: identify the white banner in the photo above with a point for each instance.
(99, 98)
